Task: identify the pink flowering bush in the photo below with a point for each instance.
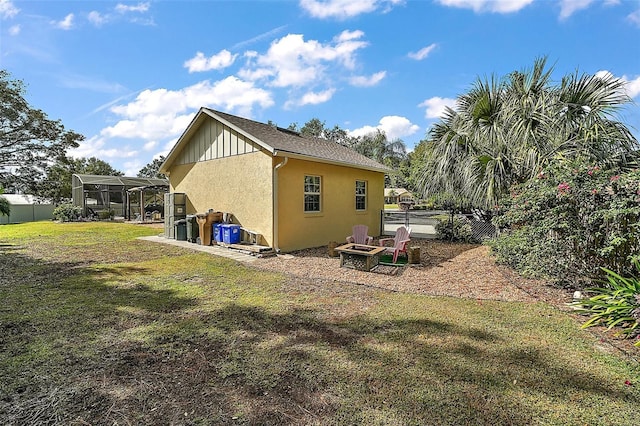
(570, 221)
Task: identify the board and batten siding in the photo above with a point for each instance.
(214, 140)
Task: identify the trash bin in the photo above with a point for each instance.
(181, 229)
(217, 232)
(205, 222)
(231, 234)
(192, 228)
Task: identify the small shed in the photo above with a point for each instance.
(123, 196)
(27, 208)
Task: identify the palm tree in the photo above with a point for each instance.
(376, 146)
(504, 130)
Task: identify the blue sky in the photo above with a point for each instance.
(131, 75)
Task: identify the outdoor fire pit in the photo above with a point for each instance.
(359, 256)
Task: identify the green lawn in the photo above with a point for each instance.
(100, 328)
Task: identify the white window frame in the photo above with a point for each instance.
(312, 189)
(362, 195)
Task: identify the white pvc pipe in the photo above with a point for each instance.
(275, 203)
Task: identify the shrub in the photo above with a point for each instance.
(573, 220)
(67, 212)
(614, 305)
(105, 214)
(456, 229)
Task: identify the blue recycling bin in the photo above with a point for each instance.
(217, 232)
(231, 234)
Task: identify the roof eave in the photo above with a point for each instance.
(297, 156)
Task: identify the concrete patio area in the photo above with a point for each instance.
(216, 250)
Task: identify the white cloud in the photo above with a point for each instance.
(569, 7)
(7, 9)
(632, 86)
(96, 18)
(150, 145)
(293, 62)
(168, 146)
(343, 9)
(161, 113)
(140, 7)
(133, 167)
(395, 127)
(148, 127)
(635, 17)
(423, 53)
(436, 106)
(494, 6)
(604, 74)
(200, 63)
(313, 98)
(96, 146)
(65, 24)
(364, 81)
(15, 30)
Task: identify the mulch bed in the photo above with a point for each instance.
(445, 269)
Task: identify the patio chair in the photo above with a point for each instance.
(360, 235)
(399, 242)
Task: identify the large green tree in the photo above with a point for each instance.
(504, 130)
(152, 170)
(392, 154)
(29, 140)
(318, 129)
(376, 146)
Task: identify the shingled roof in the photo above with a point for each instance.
(283, 142)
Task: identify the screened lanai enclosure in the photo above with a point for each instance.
(131, 198)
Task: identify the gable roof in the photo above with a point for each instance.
(279, 142)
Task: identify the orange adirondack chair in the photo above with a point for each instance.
(360, 235)
(399, 242)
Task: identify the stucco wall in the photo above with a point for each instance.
(298, 230)
(240, 184)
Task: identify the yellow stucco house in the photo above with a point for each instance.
(296, 192)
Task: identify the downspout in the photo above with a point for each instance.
(275, 202)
